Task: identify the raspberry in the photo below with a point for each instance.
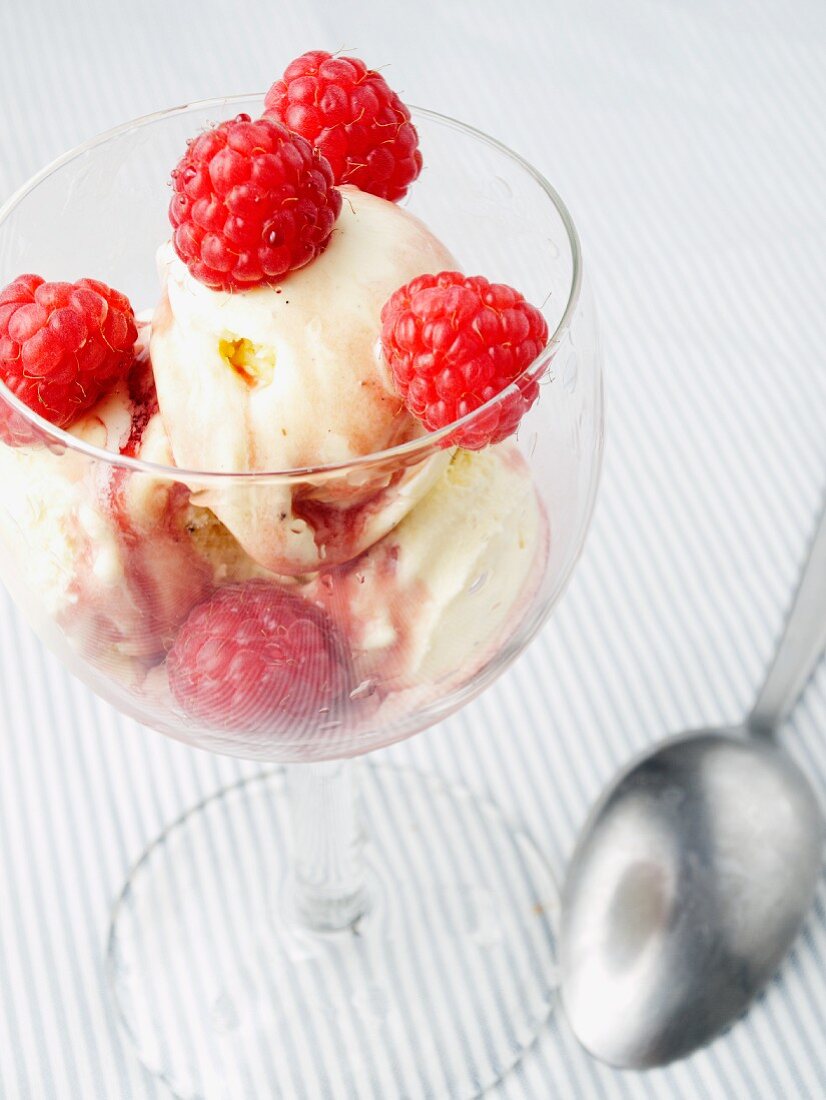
(453, 342)
(252, 202)
(257, 658)
(62, 347)
(351, 114)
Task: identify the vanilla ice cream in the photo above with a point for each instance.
(290, 377)
(116, 558)
(49, 514)
(431, 602)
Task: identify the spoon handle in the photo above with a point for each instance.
(802, 643)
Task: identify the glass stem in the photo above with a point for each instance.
(328, 845)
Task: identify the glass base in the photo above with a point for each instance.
(436, 992)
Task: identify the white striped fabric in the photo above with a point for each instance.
(689, 139)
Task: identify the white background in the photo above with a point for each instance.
(688, 139)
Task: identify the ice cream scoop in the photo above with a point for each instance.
(430, 602)
(289, 377)
(118, 557)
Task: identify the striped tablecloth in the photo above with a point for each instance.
(689, 138)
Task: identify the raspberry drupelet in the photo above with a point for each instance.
(353, 117)
(252, 201)
(63, 346)
(452, 343)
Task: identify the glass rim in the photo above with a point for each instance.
(407, 451)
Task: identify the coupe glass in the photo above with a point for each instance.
(324, 929)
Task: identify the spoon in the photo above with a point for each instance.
(695, 870)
